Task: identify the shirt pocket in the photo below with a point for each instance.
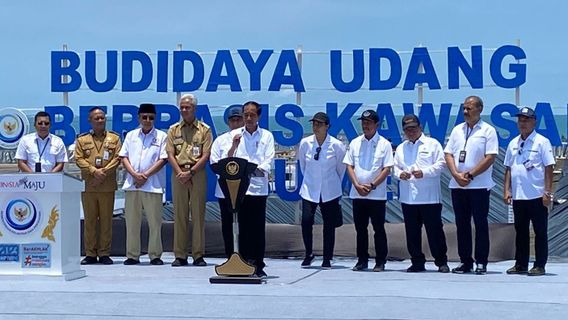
(111, 148)
(178, 145)
(88, 150)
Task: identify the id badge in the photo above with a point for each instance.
(196, 151)
(98, 162)
(462, 156)
(38, 167)
(528, 165)
(106, 155)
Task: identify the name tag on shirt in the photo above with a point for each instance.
(106, 155)
(196, 151)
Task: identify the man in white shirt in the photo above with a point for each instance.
(470, 153)
(321, 162)
(369, 161)
(41, 151)
(256, 145)
(219, 150)
(143, 156)
(418, 163)
(529, 163)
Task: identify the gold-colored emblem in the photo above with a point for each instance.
(53, 218)
(10, 127)
(232, 168)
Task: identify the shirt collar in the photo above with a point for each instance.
(194, 123)
(151, 133)
(256, 132)
(529, 138)
(326, 140)
(46, 138)
(477, 125)
(420, 139)
(374, 139)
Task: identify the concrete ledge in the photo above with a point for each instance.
(285, 240)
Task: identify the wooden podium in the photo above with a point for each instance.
(40, 225)
(234, 179)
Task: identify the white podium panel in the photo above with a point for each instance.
(40, 225)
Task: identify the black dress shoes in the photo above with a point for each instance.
(360, 266)
(461, 269)
(308, 261)
(261, 274)
(105, 260)
(156, 262)
(179, 262)
(89, 260)
(416, 268)
(130, 262)
(199, 262)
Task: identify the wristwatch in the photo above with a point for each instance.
(373, 187)
(469, 175)
(192, 172)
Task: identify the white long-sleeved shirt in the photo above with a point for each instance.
(425, 154)
(257, 148)
(322, 177)
(142, 151)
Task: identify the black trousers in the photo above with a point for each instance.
(429, 215)
(227, 226)
(252, 223)
(328, 211)
(363, 210)
(527, 211)
(470, 203)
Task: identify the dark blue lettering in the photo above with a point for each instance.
(336, 71)
(128, 59)
(223, 59)
(375, 56)
(287, 59)
(58, 71)
(91, 71)
(473, 72)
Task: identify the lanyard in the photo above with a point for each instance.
(44, 146)
(467, 134)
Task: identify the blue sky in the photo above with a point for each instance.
(32, 29)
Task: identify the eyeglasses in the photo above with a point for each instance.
(43, 123)
(521, 148)
(317, 155)
(147, 117)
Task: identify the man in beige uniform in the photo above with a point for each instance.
(96, 154)
(188, 147)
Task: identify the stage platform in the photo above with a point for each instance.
(290, 292)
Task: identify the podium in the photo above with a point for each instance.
(234, 179)
(40, 225)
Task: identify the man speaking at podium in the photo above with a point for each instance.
(257, 146)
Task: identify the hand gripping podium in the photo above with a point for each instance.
(234, 179)
(40, 225)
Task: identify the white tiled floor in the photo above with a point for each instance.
(145, 291)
